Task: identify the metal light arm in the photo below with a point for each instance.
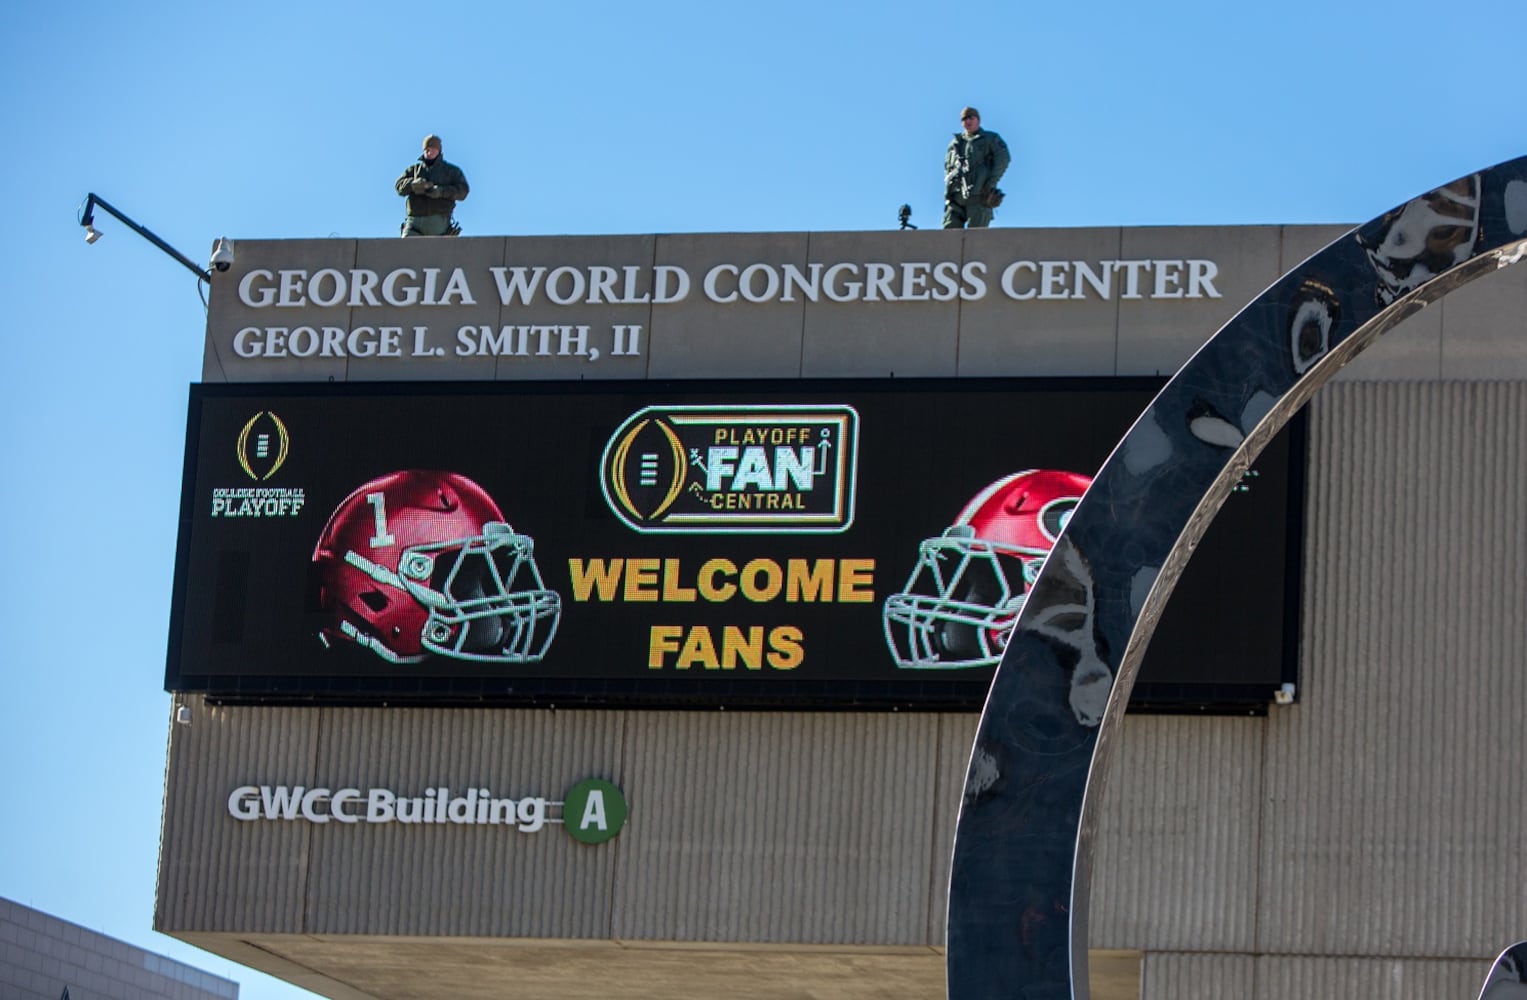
(87, 219)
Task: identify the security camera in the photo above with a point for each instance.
(222, 254)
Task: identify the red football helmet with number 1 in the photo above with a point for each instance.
(414, 563)
(964, 595)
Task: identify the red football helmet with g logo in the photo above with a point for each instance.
(414, 563)
(964, 595)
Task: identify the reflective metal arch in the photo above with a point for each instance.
(1020, 875)
(1508, 976)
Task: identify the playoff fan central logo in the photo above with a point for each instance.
(734, 469)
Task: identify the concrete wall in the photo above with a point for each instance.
(1365, 842)
(41, 956)
(1137, 329)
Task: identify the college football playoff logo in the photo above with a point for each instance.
(263, 446)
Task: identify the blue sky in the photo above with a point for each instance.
(291, 121)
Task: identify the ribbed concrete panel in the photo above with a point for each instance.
(1341, 978)
(1175, 860)
(1177, 976)
(956, 736)
(1395, 823)
(216, 873)
(463, 880)
(774, 827)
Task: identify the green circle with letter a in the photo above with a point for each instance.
(593, 811)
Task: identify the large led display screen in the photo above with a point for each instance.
(768, 544)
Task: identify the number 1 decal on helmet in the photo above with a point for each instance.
(415, 563)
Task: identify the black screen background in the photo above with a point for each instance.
(244, 625)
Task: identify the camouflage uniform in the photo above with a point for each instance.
(972, 168)
(433, 199)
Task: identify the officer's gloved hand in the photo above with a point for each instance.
(419, 185)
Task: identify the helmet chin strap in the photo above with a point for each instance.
(375, 645)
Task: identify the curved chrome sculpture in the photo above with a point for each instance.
(1019, 880)
(1508, 976)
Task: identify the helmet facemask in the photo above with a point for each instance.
(471, 589)
(960, 602)
(485, 596)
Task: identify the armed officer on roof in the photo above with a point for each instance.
(432, 187)
(976, 161)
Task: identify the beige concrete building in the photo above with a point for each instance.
(45, 958)
(1366, 841)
